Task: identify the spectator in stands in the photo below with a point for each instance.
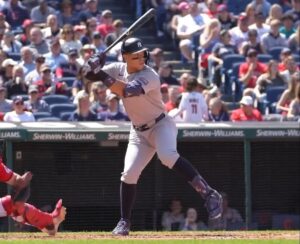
(67, 15)
(288, 95)
(18, 114)
(239, 34)
(225, 18)
(27, 60)
(250, 13)
(106, 25)
(7, 66)
(156, 58)
(78, 83)
(98, 42)
(251, 69)
(208, 39)
(260, 26)
(294, 41)
(24, 37)
(174, 92)
(114, 112)
(69, 68)
(5, 104)
(191, 222)
(192, 106)
(119, 28)
(51, 30)
(83, 111)
(165, 72)
(287, 28)
(46, 84)
(173, 218)
(54, 58)
(90, 11)
(35, 103)
(68, 40)
(246, 112)
(16, 85)
(290, 68)
(262, 6)
(231, 218)
(174, 111)
(294, 108)
(189, 29)
(85, 53)
(252, 43)
(284, 54)
(40, 13)
(275, 13)
(37, 42)
(164, 89)
(295, 11)
(91, 27)
(4, 25)
(9, 44)
(217, 110)
(98, 99)
(15, 13)
(35, 74)
(273, 38)
(269, 79)
(184, 77)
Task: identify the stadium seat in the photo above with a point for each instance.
(57, 109)
(264, 58)
(64, 116)
(38, 115)
(230, 59)
(272, 96)
(46, 119)
(56, 99)
(68, 80)
(275, 52)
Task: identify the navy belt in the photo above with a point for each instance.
(149, 125)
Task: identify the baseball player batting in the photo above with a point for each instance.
(152, 131)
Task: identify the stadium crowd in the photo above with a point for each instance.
(245, 61)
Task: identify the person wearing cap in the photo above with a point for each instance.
(225, 18)
(90, 11)
(251, 69)
(165, 72)
(252, 43)
(239, 33)
(9, 43)
(46, 84)
(34, 75)
(98, 42)
(113, 112)
(68, 40)
(15, 13)
(273, 38)
(27, 60)
(156, 58)
(69, 68)
(37, 42)
(106, 26)
(18, 114)
(246, 112)
(86, 52)
(7, 67)
(40, 13)
(287, 28)
(184, 9)
(24, 37)
(83, 111)
(5, 104)
(16, 85)
(260, 25)
(35, 103)
(55, 57)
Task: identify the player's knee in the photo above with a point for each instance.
(130, 177)
(168, 158)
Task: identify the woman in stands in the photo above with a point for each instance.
(294, 109)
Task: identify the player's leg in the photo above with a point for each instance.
(165, 141)
(138, 155)
(29, 214)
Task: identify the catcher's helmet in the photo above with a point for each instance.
(132, 45)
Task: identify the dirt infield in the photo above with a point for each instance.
(197, 235)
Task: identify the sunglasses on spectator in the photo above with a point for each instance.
(19, 103)
(47, 71)
(68, 32)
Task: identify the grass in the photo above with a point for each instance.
(220, 237)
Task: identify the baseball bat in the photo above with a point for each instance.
(134, 27)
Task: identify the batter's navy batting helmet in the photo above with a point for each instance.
(132, 45)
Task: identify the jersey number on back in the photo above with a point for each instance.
(194, 108)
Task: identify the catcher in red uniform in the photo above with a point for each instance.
(15, 205)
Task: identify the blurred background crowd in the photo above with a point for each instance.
(242, 57)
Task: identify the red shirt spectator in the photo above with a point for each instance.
(106, 26)
(246, 112)
(251, 69)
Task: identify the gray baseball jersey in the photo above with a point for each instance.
(143, 110)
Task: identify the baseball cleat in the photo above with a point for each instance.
(122, 228)
(213, 205)
(58, 215)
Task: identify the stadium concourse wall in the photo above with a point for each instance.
(256, 164)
